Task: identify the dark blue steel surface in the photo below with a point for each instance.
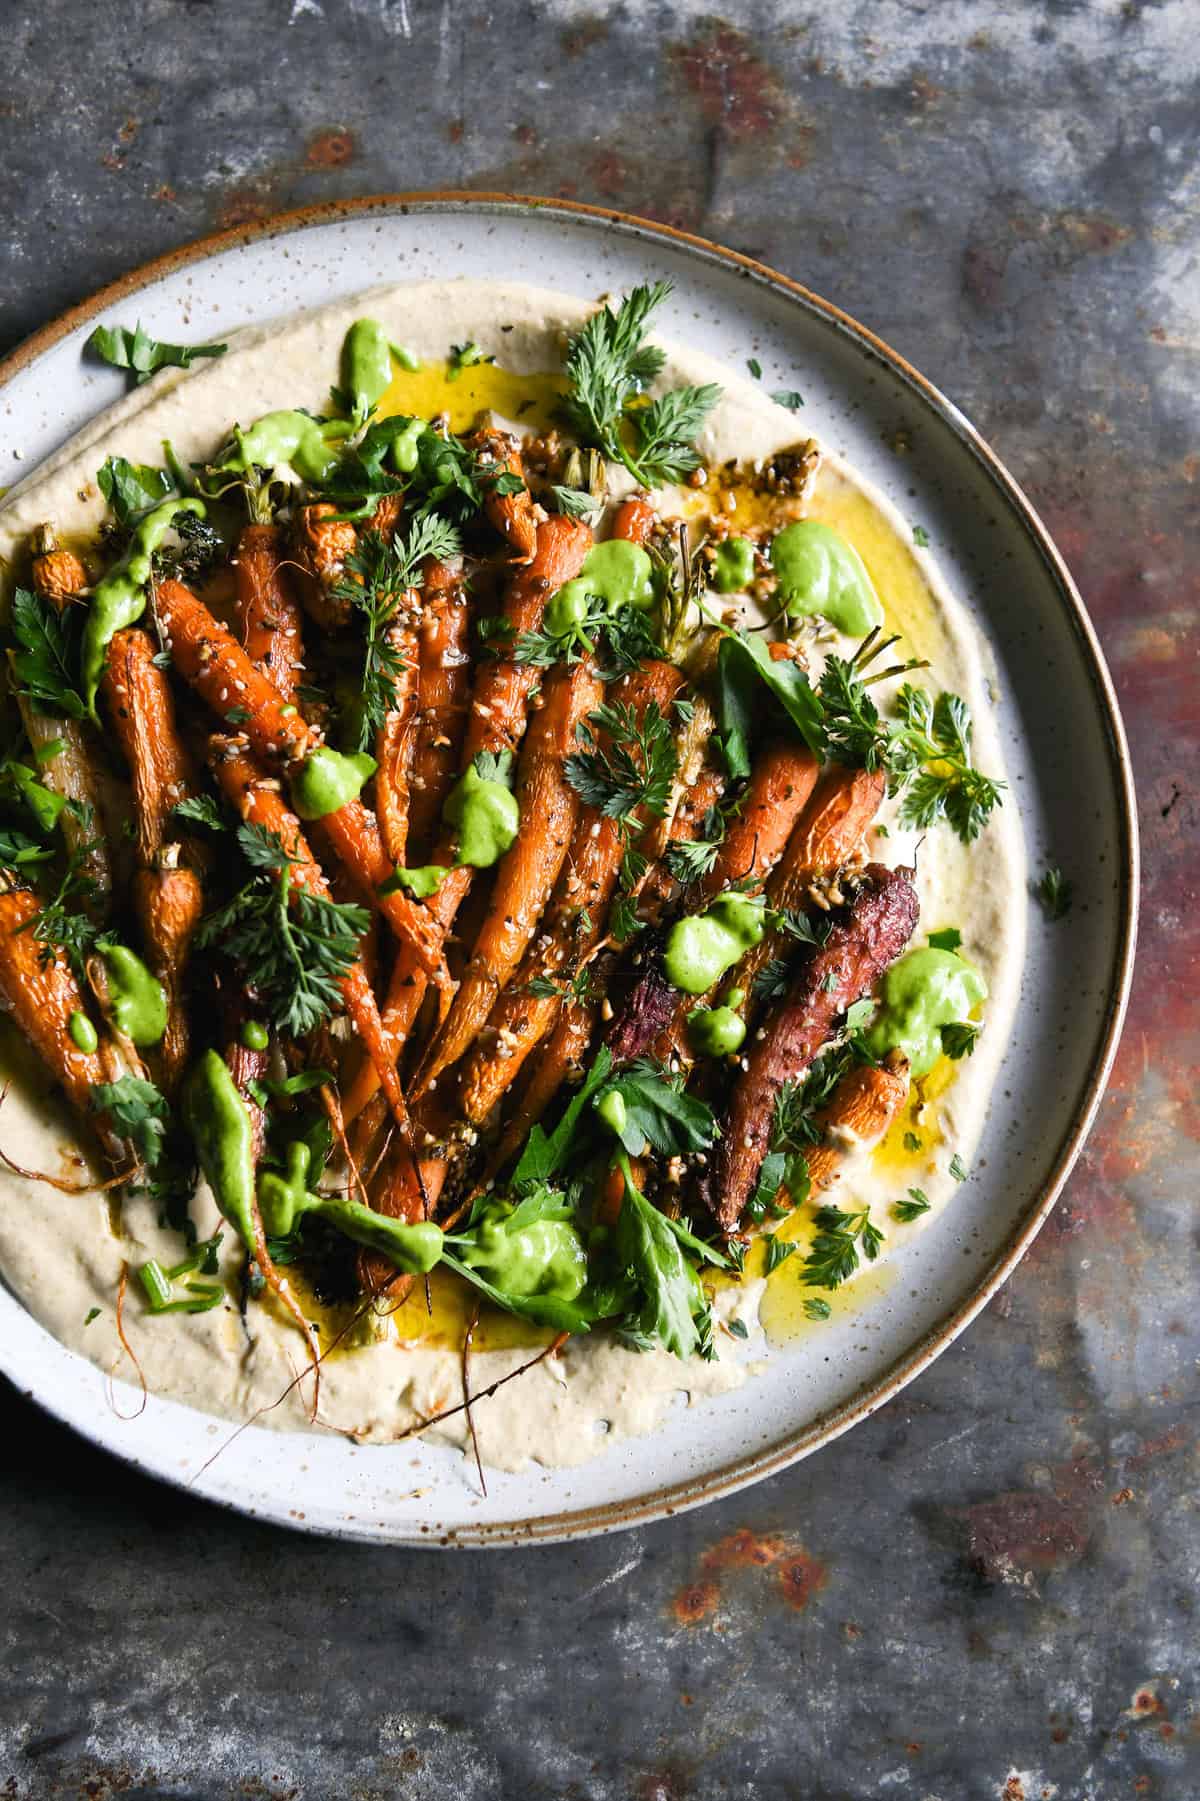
(988, 1590)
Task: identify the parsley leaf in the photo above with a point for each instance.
(690, 858)
(744, 667)
(546, 1154)
(789, 398)
(771, 981)
(778, 1251)
(958, 1168)
(659, 1113)
(465, 356)
(834, 1254)
(138, 1112)
(916, 1204)
(959, 1039)
(574, 503)
(143, 355)
(1053, 893)
(46, 661)
(132, 488)
(755, 367)
(920, 537)
(948, 939)
(201, 809)
(938, 733)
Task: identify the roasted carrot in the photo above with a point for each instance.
(512, 515)
(69, 770)
(561, 1061)
(869, 935)
(634, 520)
(575, 923)
(211, 659)
(321, 543)
(265, 607)
(39, 992)
(58, 574)
(260, 803)
(528, 870)
(828, 835)
(394, 742)
(860, 1110)
(495, 723)
(214, 662)
(443, 684)
(167, 891)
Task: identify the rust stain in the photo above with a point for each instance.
(244, 206)
(525, 134)
(797, 1575)
(743, 1550)
(330, 149)
(164, 191)
(800, 1578)
(1015, 1535)
(1176, 1438)
(695, 1603)
(735, 88)
(456, 130)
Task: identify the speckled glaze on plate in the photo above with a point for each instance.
(1065, 750)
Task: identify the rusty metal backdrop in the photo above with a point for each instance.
(989, 1589)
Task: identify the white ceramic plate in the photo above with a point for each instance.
(1065, 752)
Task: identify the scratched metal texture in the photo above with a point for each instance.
(989, 1590)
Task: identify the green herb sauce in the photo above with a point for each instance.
(716, 1031)
(327, 780)
(219, 1122)
(137, 999)
(283, 440)
(420, 883)
(545, 1257)
(486, 816)
(366, 367)
(83, 1032)
(255, 1036)
(283, 1198)
(120, 599)
(733, 566)
(702, 946)
(616, 573)
(819, 572)
(924, 991)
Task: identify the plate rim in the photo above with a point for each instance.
(695, 1491)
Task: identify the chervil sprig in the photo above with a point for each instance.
(380, 572)
(609, 367)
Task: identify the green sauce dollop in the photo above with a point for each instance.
(255, 1036)
(702, 946)
(616, 572)
(120, 599)
(819, 572)
(420, 883)
(283, 439)
(486, 815)
(219, 1122)
(733, 568)
(543, 1257)
(924, 991)
(366, 366)
(282, 1198)
(137, 1000)
(83, 1032)
(716, 1031)
(326, 781)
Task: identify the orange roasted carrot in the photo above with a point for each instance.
(511, 514)
(561, 1060)
(218, 668)
(524, 1013)
(210, 658)
(443, 684)
(39, 993)
(828, 834)
(259, 802)
(528, 870)
(860, 1110)
(266, 611)
(321, 543)
(168, 895)
(495, 723)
